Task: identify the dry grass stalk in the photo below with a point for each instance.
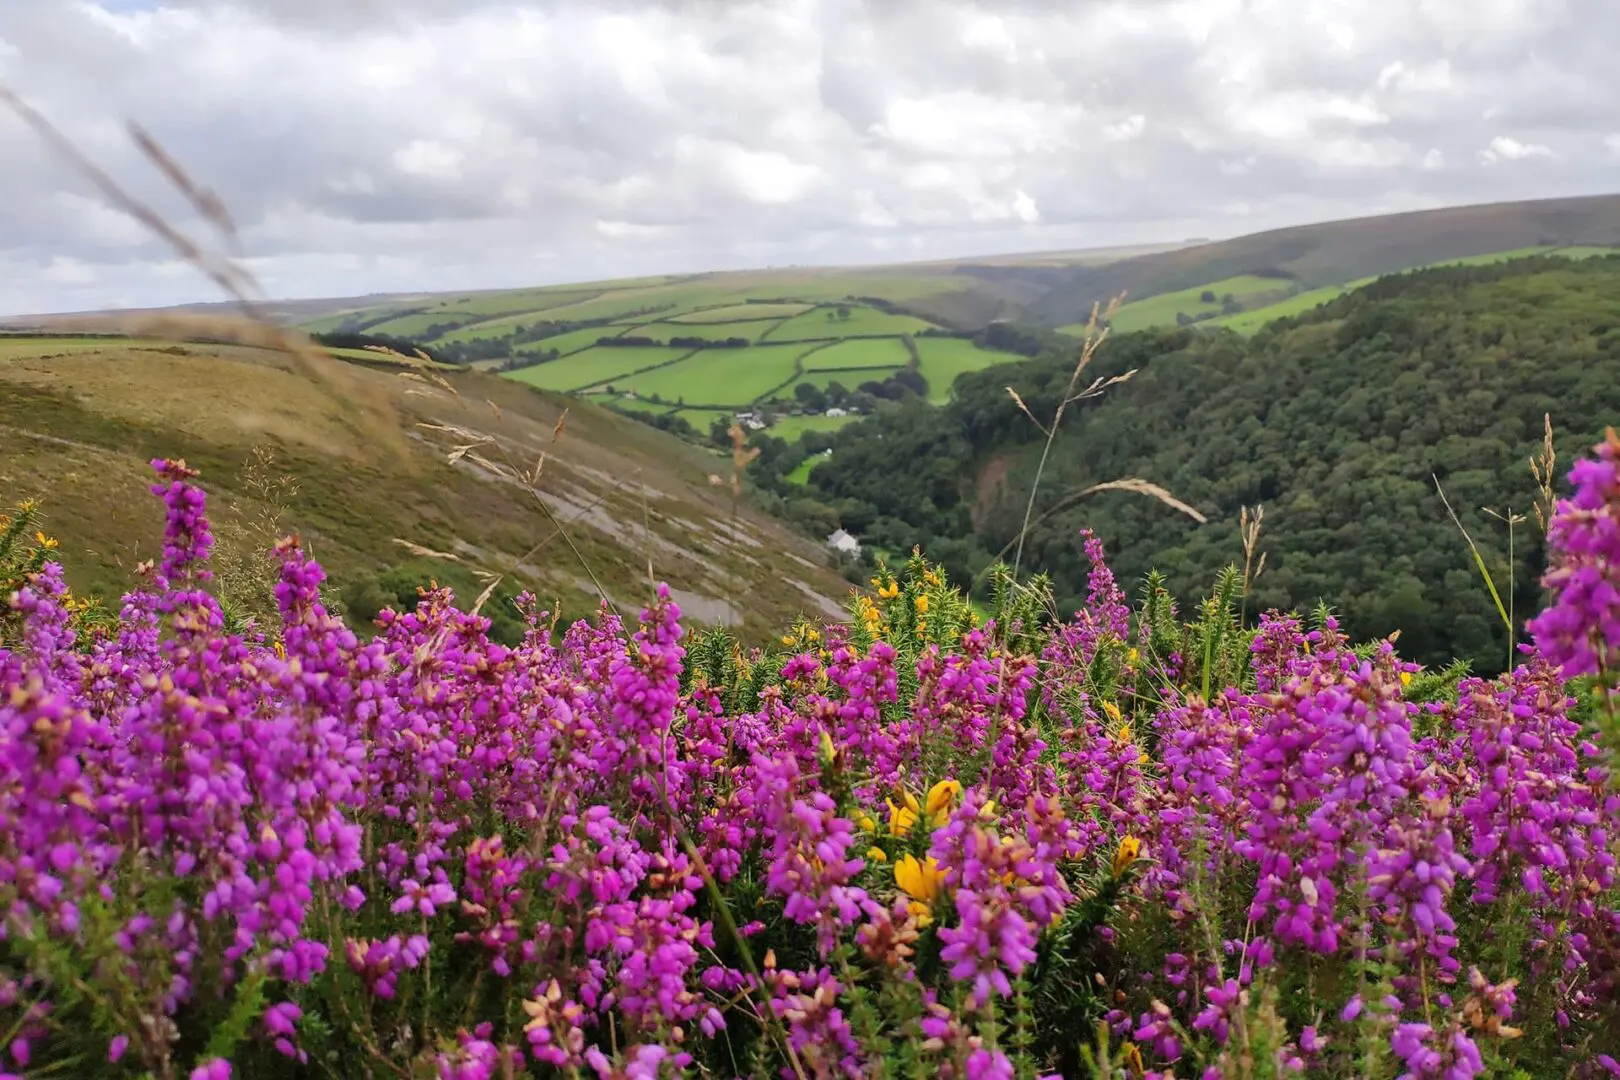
(209, 204)
(1096, 333)
(1511, 520)
(1130, 483)
(1484, 571)
(1249, 527)
(1544, 467)
(1249, 530)
(426, 552)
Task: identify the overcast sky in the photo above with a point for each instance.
(374, 145)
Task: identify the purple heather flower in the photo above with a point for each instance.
(1582, 625)
(214, 1069)
(985, 1064)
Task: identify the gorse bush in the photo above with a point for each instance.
(921, 844)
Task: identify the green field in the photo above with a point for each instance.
(1162, 310)
(868, 321)
(943, 359)
(658, 301)
(801, 471)
(742, 313)
(566, 344)
(593, 367)
(415, 326)
(732, 377)
(628, 404)
(663, 331)
(1247, 322)
(849, 378)
(36, 346)
(860, 353)
(702, 418)
(507, 324)
(791, 427)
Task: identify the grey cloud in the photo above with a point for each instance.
(435, 143)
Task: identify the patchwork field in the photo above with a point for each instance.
(572, 342)
(715, 376)
(742, 313)
(593, 367)
(826, 322)
(943, 359)
(663, 331)
(861, 353)
(791, 427)
(1163, 309)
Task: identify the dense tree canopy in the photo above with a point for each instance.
(1338, 422)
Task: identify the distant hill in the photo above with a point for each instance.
(1331, 253)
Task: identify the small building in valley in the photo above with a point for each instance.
(840, 541)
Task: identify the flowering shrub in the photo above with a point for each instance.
(918, 845)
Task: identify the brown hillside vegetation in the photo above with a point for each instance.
(80, 420)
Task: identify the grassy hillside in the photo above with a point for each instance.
(1248, 303)
(1337, 421)
(366, 451)
(1337, 252)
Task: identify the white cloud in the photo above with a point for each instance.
(430, 159)
(1024, 208)
(65, 270)
(409, 144)
(1127, 129)
(1507, 148)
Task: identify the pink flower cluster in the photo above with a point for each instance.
(466, 860)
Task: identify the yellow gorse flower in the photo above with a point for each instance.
(1406, 678)
(863, 820)
(903, 816)
(936, 806)
(941, 801)
(1111, 711)
(1131, 1057)
(922, 604)
(1129, 850)
(922, 881)
(934, 578)
(876, 854)
(46, 542)
(889, 590)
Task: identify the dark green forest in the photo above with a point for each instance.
(1338, 422)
